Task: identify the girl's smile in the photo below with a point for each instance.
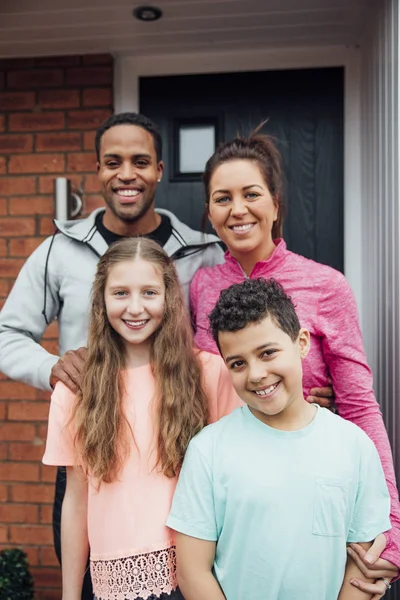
(136, 324)
(135, 302)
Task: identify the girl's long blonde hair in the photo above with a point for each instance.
(101, 427)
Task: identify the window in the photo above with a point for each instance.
(194, 141)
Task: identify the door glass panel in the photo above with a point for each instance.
(196, 145)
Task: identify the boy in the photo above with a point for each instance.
(268, 497)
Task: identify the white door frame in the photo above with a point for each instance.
(128, 70)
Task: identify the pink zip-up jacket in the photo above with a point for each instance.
(326, 306)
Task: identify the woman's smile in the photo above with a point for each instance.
(241, 228)
(242, 211)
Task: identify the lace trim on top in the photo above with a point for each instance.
(143, 575)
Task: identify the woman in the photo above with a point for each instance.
(243, 183)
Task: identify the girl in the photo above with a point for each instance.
(243, 183)
(145, 393)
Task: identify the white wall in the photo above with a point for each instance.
(380, 197)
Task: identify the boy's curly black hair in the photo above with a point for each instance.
(251, 302)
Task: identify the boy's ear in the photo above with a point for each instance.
(304, 342)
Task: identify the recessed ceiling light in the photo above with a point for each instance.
(147, 13)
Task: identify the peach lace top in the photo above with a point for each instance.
(132, 551)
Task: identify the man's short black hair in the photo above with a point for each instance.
(130, 118)
(251, 302)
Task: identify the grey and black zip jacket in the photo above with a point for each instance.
(56, 281)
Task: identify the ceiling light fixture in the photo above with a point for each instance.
(147, 13)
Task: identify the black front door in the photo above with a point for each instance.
(304, 109)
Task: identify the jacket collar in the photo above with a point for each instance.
(85, 230)
(263, 267)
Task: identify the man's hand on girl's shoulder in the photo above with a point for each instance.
(69, 369)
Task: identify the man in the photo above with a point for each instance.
(56, 280)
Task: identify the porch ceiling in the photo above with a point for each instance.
(49, 27)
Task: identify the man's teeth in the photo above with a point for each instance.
(136, 323)
(128, 193)
(242, 227)
(267, 391)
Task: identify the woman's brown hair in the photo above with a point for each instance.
(257, 148)
(101, 427)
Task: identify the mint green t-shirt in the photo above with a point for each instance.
(281, 505)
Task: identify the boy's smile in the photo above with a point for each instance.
(265, 367)
(266, 390)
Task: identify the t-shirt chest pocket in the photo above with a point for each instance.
(330, 507)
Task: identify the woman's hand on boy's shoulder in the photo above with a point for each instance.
(68, 369)
(373, 566)
(323, 396)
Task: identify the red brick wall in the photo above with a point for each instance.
(49, 110)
